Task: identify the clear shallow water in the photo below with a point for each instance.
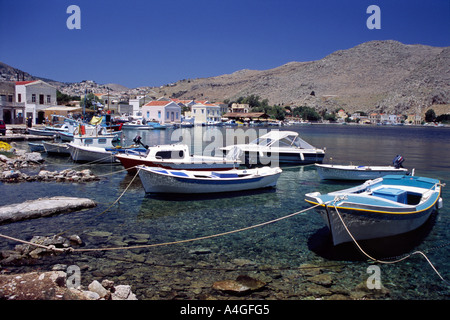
(285, 245)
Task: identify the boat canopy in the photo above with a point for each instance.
(282, 139)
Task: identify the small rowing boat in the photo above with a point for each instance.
(378, 208)
(158, 180)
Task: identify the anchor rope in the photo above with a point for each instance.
(75, 250)
(165, 243)
(383, 261)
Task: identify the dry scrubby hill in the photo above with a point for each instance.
(382, 76)
(385, 76)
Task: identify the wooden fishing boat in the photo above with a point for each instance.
(159, 180)
(350, 172)
(378, 208)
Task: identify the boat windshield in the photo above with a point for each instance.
(288, 141)
(262, 141)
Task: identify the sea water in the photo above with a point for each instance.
(276, 251)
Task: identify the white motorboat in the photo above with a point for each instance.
(159, 180)
(383, 207)
(98, 149)
(56, 148)
(278, 147)
(175, 156)
(350, 172)
(137, 124)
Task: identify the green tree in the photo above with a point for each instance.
(430, 116)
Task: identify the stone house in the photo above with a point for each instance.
(11, 111)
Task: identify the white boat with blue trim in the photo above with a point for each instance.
(99, 149)
(159, 180)
(352, 172)
(383, 207)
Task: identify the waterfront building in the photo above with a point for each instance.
(36, 95)
(162, 111)
(204, 113)
(11, 111)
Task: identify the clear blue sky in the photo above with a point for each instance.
(152, 42)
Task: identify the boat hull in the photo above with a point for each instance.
(130, 163)
(155, 180)
(364, 225)
(56, 148)
(279, 158)
(330, 172)
(378, 208)
(91, 154)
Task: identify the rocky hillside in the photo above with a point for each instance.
(383, 76)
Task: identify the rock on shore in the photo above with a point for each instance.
(43, 207)
(52, 285)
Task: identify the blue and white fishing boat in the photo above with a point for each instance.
(383, 207)
(159, 180)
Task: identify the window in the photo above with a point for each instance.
(148, 114)
(19, 97)
(159, 114)
(49, 99)
(33, 98)
(10, 98)
(176, 115)
(167, 115)
(169, 154)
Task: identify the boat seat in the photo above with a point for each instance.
(393, 194)
(224, 175)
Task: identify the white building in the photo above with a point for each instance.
(37, 96)
(162, 111)
(204, 113)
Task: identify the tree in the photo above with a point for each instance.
(430, 116)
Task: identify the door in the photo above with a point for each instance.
(41, 99)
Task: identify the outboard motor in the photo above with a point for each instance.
(137, 140)
(398, 160)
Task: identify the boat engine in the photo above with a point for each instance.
(398, 160)
(137, 140)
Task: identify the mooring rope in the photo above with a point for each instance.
(164, 243)
(383, 261)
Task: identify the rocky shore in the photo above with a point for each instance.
(58, 284)
(20, 159)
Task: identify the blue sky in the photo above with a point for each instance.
(151, 43)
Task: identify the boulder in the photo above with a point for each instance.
(43, 207)
(241, 286)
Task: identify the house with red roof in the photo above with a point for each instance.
(162, 111)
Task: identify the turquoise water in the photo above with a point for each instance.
(275, 251)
